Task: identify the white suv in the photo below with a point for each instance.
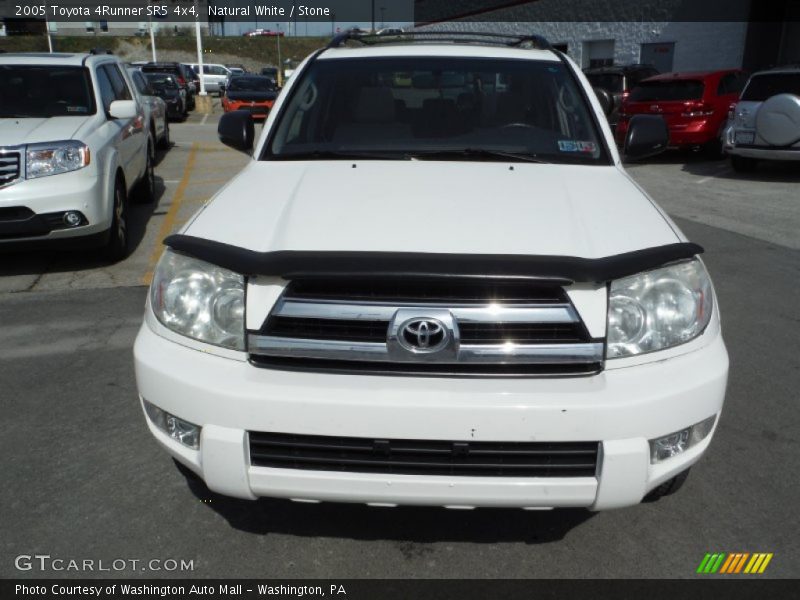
(74, 143)
(765, 123)
(434, 284)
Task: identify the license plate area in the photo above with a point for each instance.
(745, 137)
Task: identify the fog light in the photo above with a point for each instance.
(72, 218)
(182, 431)
(675, 443)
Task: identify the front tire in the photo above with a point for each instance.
(668, 487)
(117, 247)
(163, 144)
(145, 191)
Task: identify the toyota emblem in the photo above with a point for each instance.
(423, 335)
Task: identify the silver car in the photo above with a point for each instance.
(765, 123)
(155, 109)
(214, 76)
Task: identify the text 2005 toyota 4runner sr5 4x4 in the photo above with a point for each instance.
(434, 284)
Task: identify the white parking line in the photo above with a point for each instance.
(709, 178)
(205, 118)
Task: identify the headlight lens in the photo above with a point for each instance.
(199, 300)
(658, 309)
(53, 158)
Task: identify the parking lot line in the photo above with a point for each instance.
(169, 219)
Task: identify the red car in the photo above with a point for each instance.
(695, 106)
(253, 93)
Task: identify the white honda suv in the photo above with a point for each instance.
(434, 284)
(74, 145)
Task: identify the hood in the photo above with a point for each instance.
(430, 206)
(14, 132)
(235, 96)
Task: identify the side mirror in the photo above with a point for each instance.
(606, 100)
(122, 109)
(647, 136)
(221, 88)
(237, 130)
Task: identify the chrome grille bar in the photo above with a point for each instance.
(536, 313)
(591, 352)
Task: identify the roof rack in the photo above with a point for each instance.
(480, 37)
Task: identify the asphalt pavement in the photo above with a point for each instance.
(83, 479)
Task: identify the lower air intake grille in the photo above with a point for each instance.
(423, 457)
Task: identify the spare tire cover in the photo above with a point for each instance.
(778, 120)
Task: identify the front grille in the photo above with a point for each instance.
(400, 292)
(423, 457)
(494, 327)
(9, 167)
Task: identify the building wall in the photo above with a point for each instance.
(698, 45)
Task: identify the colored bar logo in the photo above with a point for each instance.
(734, 563)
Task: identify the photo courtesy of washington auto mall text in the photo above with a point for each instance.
(399, 299)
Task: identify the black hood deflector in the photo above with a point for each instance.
(296, 264)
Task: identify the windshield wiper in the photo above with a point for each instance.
(481, 153)
(342, 155)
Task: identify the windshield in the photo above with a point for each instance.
(676, 89)
(45, 91)
(611, 82)
(416, 107)
(763, 87)
(250, 84)
(161, 81)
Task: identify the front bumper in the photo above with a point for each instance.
(622, 408)
(81, 190)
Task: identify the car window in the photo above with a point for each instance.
(217, 70)
(106, 88)
(139, 82)
(764, 86)
(447, 104)
(250, 84)
(611, 82)
(162, 81)
(45, 91)
(121, 91)
(666, 90)
(731, 83)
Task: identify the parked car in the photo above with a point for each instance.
(155, 108)
(618, 81)
(694, 105)
(263, 32)
(237, 69)
(75, 147)
(253, 93)
(765, 123)
(214, 76)
(514, 323)
(165, 86)
(181, 73)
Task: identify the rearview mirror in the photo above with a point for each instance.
(237, 130)
(122, 109)
(647, 136)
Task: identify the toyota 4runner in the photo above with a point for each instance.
(434, 284)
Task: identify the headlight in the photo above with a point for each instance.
(658, 309)
(53, 158)
(199, 300)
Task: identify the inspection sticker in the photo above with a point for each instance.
(573, 146)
